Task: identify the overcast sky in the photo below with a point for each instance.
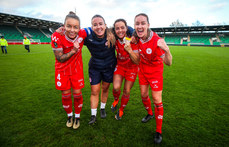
(161, 12)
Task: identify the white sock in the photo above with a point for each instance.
(102, 106)
(70, 114)
(93, 112)
(77, 115)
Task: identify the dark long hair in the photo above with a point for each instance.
(147, 18)
(113, 28)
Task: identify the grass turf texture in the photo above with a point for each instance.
(195, 98)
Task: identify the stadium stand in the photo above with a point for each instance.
(10, 32)
(195, 35)
(14, 28)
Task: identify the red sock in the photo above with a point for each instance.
(116, 95)
(124, 101)
(159, 116)
(67, 102)
(147, 104)
(78, 102)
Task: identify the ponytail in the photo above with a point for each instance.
(72, 15)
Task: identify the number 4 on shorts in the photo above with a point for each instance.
(58, 76)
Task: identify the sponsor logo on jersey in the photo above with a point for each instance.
(80, 39)
(55, 39)
(148, 50)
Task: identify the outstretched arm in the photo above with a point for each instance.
(168, 56)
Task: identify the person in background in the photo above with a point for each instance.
(26, 43)
(3, 44)
(153, 52)
(126, 68)
(69, 76)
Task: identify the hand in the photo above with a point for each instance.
(162, 44)
(133, 40)
(76, 47)
(61, 30)
(127, 46)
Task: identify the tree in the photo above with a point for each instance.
(177, 23)
(197, 23)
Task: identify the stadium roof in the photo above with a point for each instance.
(26, 21)
(215, 29)
(39, 23)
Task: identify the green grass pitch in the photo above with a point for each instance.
(195, 97)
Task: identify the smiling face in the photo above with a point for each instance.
(141, 26)
(72, 27)
(120, 29)
(98, 26)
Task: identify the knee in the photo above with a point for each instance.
(94, 92)
(105, 89)
(157, 99)
(144, 94)
(116, 88)
(126, 91)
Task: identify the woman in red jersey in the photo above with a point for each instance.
(67, 49)
(153, 52)
(127, 60)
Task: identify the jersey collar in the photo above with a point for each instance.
(149, 38)
(69, 39)
(121, 42)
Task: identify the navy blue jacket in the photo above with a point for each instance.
(102, 57)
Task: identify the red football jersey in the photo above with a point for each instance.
(62, 42)
(151, 55)
(123, 57)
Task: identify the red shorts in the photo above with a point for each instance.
(128, 74)
(156, 83)
(66, 82)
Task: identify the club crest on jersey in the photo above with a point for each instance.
(80, 39)
(148, 50)
(58, 83)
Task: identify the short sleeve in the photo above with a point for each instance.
(56, 41)
(159, 51)
(83, 33)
